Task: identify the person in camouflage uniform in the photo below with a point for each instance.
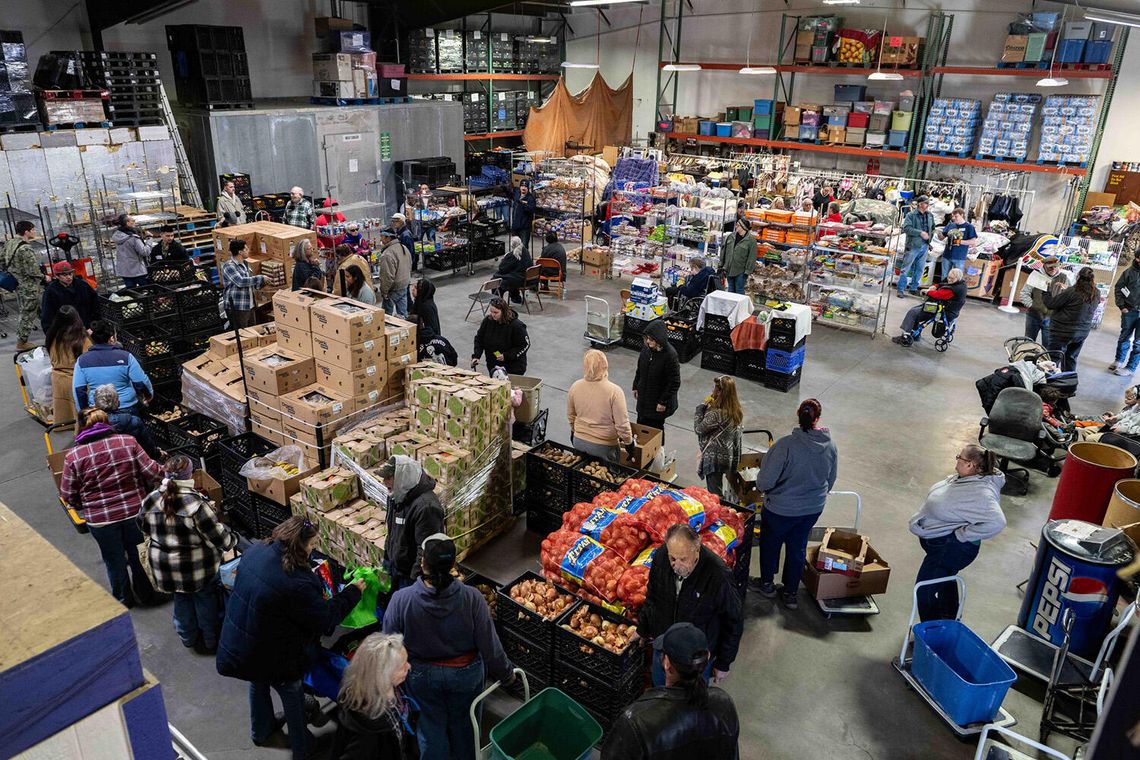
(18, 259)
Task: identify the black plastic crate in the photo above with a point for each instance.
(750, 365)
(531, 433)
(242, 515)
(686, 343)
(604, 700)
(171, 389)
(782, 334)
(528, 625)
(198, 431)
(160, 302)
(717, 324)
(171, 272)
(548, 498)
(532, 656)
(612, 667)
(192, 344)
(584, 487)
(474, 579)
(159, 428)
(161, 370)
(719, 362)
(743, 563)
(147, 341)
(541, 471)
(202, 320)
(123, 308)
(233, 484)
(236, 450)
(270, 514)
(535, 683)
(196, 296)
(781, 381)
(717, 343)
(542, 521)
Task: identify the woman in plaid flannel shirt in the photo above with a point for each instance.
(186, 544)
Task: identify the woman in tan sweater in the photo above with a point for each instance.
(595, 408)
(66, 340)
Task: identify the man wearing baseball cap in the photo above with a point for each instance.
(685, 717)
(66, 289)
(404, 235)
(918, 225)
(395, 274)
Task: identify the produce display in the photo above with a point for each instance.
(170, 415)
(601, 471)
(635, 580)
(489, 594)
(617, 530)
(590, 626)
(287, 469)
(541, 597)
(582, 561)
(564, 458)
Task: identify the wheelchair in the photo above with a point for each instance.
(941, 328)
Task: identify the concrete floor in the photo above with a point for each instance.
(804, 685)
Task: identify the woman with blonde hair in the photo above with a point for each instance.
(306, 265)
(373, 713)
(596, 410)
(717, 423)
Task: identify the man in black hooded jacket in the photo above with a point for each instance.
(414, 513)
(658, 378)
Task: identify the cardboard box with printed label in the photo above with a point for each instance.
(263, 398)
(1014, 50)
(328, 489)
(332, 67)
(873, 580)
(291, 307)
(446, 464)
(315, 405)
(346, 321)
(231, 383)
(278, 490)
(266, 421)
(400, 338)
(397, 364)
(368, 400)
(203, 367)
(599, 257)
(223, 236)
(648, 443)
(842, 552)
(277, 370)
(408, 444)
(278, 241)
(352, 382)
(428, 420)
(351, 357)
(295, 339)
(226, 344)
(363, 447)
(265, 333)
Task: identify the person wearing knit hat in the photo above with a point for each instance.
(66, 289)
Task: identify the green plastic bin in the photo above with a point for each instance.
(551, 726)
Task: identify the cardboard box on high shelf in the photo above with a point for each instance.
(1014, 50)
(278, 490)
(648, 443)
(277, 370)
(347, 321)
(315, 405)
(295, 339)
(291, 307)
(400, 338)
(842, 552)
(352, 382)
(822, 585)
(332, 67)
(353, 357)
(323, 25)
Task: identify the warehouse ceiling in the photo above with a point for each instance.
(414, 14)
(104, 14)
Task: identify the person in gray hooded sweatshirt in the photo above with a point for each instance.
(959, 513)
(795, 477)
(451, 641)
(132, 255)
(414, 513)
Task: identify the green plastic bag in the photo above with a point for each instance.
(376, 582)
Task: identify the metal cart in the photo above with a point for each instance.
(990, 748)
(847, 605)
(603, 327)
(484, 753)
(905, 658)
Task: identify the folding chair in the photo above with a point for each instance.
(483, 296)
(530, 285)
(553, 282)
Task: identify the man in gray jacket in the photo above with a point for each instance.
(1127, 297)
(395, 273)
(918, 225)
(738, 255)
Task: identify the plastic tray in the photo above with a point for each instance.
(551, 726)
(959, 671)
(270, 514)
(781, 381)
(123, 312)
(517, 619)
(160, 429)
(239, 449)
(543, 522)
(573, 650)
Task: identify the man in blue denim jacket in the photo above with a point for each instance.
(918, 225)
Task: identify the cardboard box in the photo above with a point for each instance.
(873, 580)
(291, 307)
(295, 339)
(264, 398)
(279, 490)
(363, 447)
(203, 367)
(400, 338)
(599, 273)
(322, 25)
(331, 67)
(1014, 50)
(231, 383)
(648, 443)
(314, 405)
(265, 333)
(351, 357)
(409, 444)
(266, 421)
(446, 464)
(531, 392)
(367, 400)
(842, 552)
(277, 370)
(328, 489)
(310, 450)
(224, 235)
(346, 321)
(226, 344)
(352, 382)
(278, 241)
(792, 116)
(598, 257)
(900, 51)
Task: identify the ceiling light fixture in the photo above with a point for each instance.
(588, 3)
(569, 65)
(1052, 80)
(681, 67)
(840, 2)
(757, 70)
(885, 76)
(541, 39)
(1112, 17)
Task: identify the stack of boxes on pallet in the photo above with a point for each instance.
(211, 68)
(1008, 128)
(1067, 128)
(265, 242)
(952, 126)
(134, 84)
(212, 384)
(345, 75)
(17, 103)
(778, 366)
(1086, 42)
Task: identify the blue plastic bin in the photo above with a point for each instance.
(960, 671)
(763, 107)
(724, 129)
(808, 132)
(849, 93)
(1070, 51)
(707, 128)
(785, 362)
(896, 138)
(1097, 51)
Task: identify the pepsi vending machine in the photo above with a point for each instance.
(1075, 570)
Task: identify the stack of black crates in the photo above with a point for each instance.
(553, 487)
(476, 51)
(17, 103)
(681, 330)
(133, 81)
(422, 55)
(255, 516)
(474, 113)
(211, 69)
(717, 353)
(784, 359)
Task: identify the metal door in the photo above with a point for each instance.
(350, 166)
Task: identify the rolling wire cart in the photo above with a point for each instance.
(991, 748)
(603, 327)
(904, 665)
(847, 605)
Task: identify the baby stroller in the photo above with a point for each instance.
(1036, 355)
(942, 328)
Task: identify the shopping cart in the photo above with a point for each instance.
(847, 605)
(55, 464)
(970, 680)
(603, 327)
(551, 726)
(42, 416)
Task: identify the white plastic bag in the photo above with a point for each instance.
(280, 464)
(35, 367)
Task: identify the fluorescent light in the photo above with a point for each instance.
(1112, 17)
(757, 70)
(587, 3)
(568, 65)
(840, 2)
(1053, 82)
(885, 76)
(540, 39)
(681, 67)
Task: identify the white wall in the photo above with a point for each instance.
(718, 30)
(47, 25)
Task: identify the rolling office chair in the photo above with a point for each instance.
(1012, 431)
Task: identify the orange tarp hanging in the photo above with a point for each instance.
(597, 116)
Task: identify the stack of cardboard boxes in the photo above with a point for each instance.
(212, 383)
(350, 529)
(265, 241)
(347, 72)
